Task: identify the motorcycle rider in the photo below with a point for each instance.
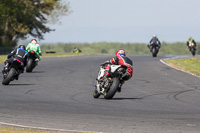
(76, 50)
(20, 54)
(34, 46)
(120, 59)
(193, 41)
(154, 40)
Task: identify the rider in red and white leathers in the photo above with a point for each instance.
(120, 59)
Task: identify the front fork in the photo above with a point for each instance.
(5, 69)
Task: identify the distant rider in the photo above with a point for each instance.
(120, 59)
(154, 40)
(34, 46)
(76, 50)
(20, 54)
(191, 40)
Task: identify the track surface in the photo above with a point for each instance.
(58, 94)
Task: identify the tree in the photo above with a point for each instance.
(20, 18)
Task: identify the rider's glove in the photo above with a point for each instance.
(102, 64)
(107, 62)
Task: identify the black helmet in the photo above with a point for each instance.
(22, 47)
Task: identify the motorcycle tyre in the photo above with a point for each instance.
(11, 74)
(193, 52)
(154, 52)
(96, 94)
(113, 89)
(29, 65)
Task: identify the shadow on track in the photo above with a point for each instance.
(20, 84)
(38, 72)
(122, 98)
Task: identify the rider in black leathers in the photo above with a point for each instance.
(154, 40)
(20, 54)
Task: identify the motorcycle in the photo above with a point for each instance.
(31, 64)
(155, 50)
(192, 48)
(110, 85)
(11, 71)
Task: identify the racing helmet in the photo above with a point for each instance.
(34, 41)
(154, 35)
(121, 52)
(22, 47)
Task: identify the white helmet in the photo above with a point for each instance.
(34, 41)
(154, 35)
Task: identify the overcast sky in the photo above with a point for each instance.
(128, 21)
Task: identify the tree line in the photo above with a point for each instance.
(21, 18)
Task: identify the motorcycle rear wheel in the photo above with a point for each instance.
(8, 78)
(29, 66)
(113, 89)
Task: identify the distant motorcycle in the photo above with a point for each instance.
(31, 64)
(109, 86)
(155, 49)
(192, 48)
(12, 71)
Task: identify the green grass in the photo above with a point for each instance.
(191, 65)
(3, 58)
(13, 130)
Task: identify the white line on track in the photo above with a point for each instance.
(47, 129)
(161, 60)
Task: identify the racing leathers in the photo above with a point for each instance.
(191, 40)
(155, 41)
(19, 54)
(36, 48)
(119, 60)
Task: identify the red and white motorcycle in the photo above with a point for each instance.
(108, 86)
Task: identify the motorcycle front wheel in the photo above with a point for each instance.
(96, 94)
(193, 51)
(154, 52)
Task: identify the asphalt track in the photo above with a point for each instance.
(58, 94)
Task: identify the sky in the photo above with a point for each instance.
(127, 21)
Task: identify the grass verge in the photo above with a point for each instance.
(15, 130)
(191, 65)
(3, 58)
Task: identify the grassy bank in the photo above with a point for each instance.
(12, 130)
(3, 58)
(191, 65)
